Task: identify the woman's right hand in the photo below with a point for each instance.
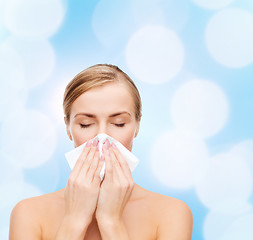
(82, 190)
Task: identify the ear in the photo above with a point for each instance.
(137, 129)
(68, 129)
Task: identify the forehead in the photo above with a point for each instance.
(106, 99)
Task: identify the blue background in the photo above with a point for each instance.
(44, 44)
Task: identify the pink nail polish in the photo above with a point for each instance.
(88, 143)
(107, 144)
(95, 142)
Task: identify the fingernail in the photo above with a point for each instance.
(114, 146)
(95, 142)
(107, 144)
(88, 143)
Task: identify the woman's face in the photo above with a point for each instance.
(107, 109)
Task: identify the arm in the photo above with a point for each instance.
(176, 222)
(81, 194)
(113, 230)
(24, 224)
(115, 193)
(70, 230)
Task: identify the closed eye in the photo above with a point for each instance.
(85, 125)
(116, 124)
(119, 124)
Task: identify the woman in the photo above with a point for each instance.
(101, 99)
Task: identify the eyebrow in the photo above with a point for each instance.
(94, 116)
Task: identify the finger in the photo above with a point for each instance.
(87, 162)
(122, 161)
(95, 167)
(108, 163)
(117, 170)
(101, 162)
(76, 169)
(93, 164)
(125, 181)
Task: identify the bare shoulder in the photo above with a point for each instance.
(28, 214)
(39, 204)
(172, 206)
(174, 217)
(163, 203)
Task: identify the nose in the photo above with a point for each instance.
(102, 128)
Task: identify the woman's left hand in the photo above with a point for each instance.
(116, 188)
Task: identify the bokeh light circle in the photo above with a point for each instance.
(29, 18)
(13, 90)
(200, 106)
(4, 232)
(213, 4)
(12, 73)
(227, 185)
(29, 139)
(55, 101)
(175, 14)
(38, 59)
(229, 37)
(154, 54)
(178, 159)
(244, 149)
(14, 192)
(241, 228)
(10, 173)
(110, 33)
(215, 224)
(11, 194)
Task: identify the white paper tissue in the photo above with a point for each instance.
(73, 155)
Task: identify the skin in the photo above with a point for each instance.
(115, 208)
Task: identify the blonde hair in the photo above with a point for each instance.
(96, 76)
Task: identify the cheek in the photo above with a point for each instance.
(126, 139)
(79, 138)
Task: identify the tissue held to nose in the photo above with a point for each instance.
(131, 159)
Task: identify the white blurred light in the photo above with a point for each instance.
(154, 54)
(9, 173)
(13, 91)
(11, 194)
(29, 139)
(200, 106)
(229, 37)
(215, 225)
(38, 58)
(14, 103)
(240, 229)
(174, 14)
(244, 149)
(29, 18)
(213, 4)
(148, 12)
(4, 231)
(1, 26)
(2, 2)
(56, 100)
(227, 185)
(11, 70)
(178, 159)
(116, 18)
